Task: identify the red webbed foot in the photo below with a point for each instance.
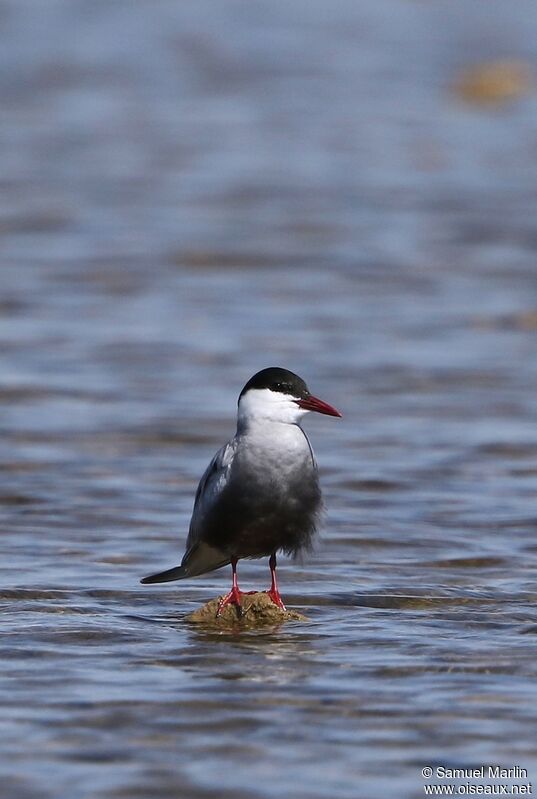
(276, 598)
(273, 592)
(231, 598)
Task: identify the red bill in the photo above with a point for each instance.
(311, 403)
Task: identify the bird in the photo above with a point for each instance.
(260, 493)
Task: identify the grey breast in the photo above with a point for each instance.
(271, 500)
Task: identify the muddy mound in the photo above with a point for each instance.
(258, 610)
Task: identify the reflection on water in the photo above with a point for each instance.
(194, 192)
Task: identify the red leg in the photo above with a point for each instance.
(233, 597)
(273, 592)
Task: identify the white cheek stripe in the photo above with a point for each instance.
(260, 404)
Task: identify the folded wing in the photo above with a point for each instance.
(200, 557)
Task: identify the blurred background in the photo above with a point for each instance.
(191, 192)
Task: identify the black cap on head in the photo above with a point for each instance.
(277, 379)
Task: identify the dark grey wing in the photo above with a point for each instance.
(200, 557)
(211, 485)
